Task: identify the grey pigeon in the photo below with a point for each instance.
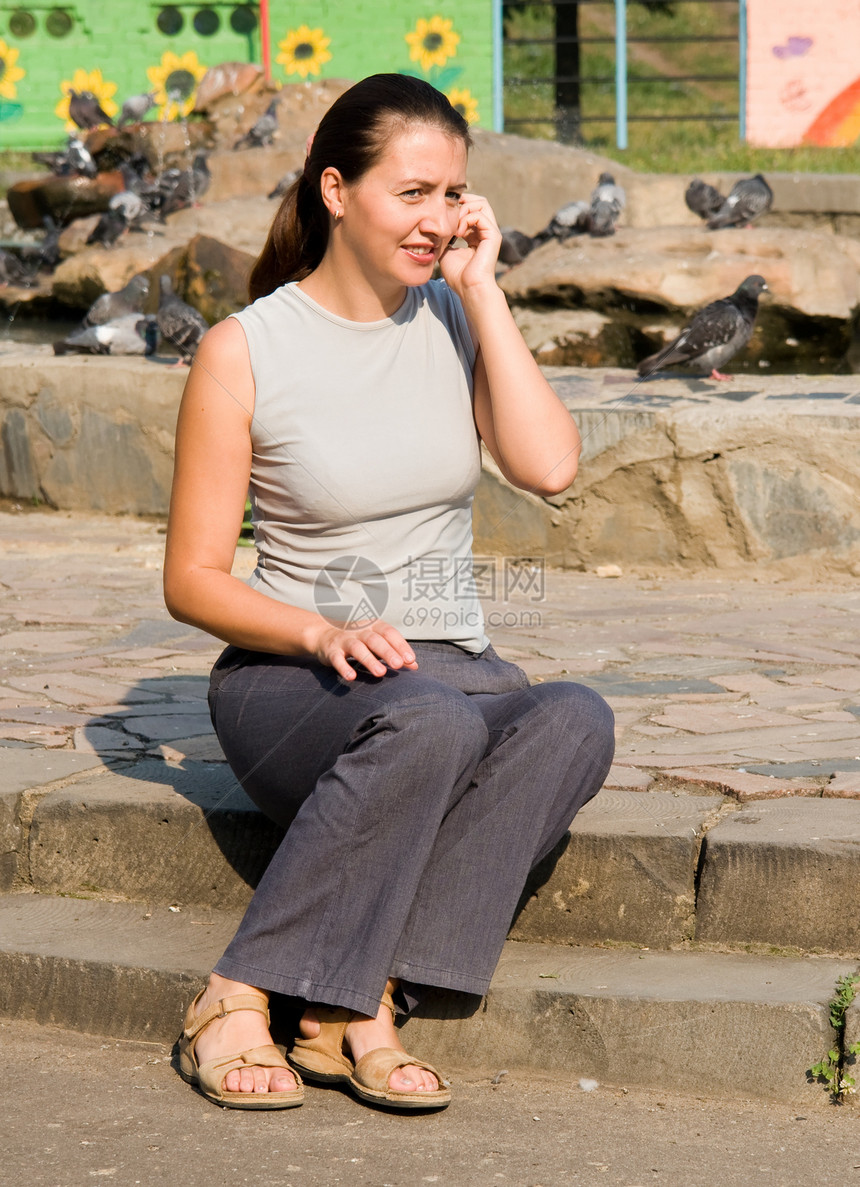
(571, 219)
(607, 190)
(607, 202)
(86, 111)
(12, 270)
(73, 160)
(110, 306)
(746, 201)
(515, 246)
(178, 188)
(130, 205)
(602, 218)
(715, 334)
(128, 334)
(263, 131)
(286, 181)
(135, 108)
(111, 226)
(181, 325)
(703, 199)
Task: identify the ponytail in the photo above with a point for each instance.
(351, 138)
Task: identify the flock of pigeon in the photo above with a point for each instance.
(116, 324)
(717, 332)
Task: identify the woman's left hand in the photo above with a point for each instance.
(473, 263)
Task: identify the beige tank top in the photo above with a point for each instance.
(365, 462)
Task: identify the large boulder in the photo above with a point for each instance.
(638, 273)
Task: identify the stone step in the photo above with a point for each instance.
(717, 1024)
(655, 869)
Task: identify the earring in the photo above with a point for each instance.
(338, 214)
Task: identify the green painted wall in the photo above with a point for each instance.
(118, 48)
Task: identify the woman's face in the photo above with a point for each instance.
(399, 217)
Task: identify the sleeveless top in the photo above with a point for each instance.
(365, 461)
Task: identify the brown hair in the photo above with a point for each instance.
(351, 138)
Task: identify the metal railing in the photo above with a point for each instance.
(568, 113)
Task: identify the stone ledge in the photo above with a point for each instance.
(784, 872)
(715, 1025)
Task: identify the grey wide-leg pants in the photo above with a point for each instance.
(416, 804)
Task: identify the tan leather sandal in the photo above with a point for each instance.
(322, 1060)
(208, 1077)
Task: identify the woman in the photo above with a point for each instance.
(359, 701)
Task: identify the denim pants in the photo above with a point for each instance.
(415, 804)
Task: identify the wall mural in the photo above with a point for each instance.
(10, 74)
(803, 73)
(46, 52)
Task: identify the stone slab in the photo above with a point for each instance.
(628, 873)
(718, 1025)
(784, 872)
(170, 833)
(21, 770)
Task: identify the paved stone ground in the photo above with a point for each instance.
(745, 684)
(86, 1109)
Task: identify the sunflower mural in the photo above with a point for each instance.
(175, 82)
(432, 44)
(86, 80)
(10, 72)
(304, 51)
(464, 102)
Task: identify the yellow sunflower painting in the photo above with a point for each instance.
(86, 80)
(174, 83)
(9, 72)
(432, 42)
(304, 51)
(464, 102)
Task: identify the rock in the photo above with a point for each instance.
(580, 338)
(527, 181)
(61, 198)
(301, 106)
(162, 144)
(814, 280)
(228, 78)
(261, 169)
(216, 277)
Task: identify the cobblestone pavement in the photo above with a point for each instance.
(747, 684)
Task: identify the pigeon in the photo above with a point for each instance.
(607, 202)
(571, 219)
(135, 108)
(131, 206)
(111, 226)
(263, 131)
(606, 190)
(111, 306)
(12, 270)
(128, 334)
(86, 111)
(73, 160)
(715, 334)
(602, 218)
(746, 201)
(515, 246)
(178, 188)
(286, 181)
(180, 324)
(703, 199)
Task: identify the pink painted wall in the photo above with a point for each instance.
(803, 72)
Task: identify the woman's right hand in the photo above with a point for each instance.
(377, 647)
